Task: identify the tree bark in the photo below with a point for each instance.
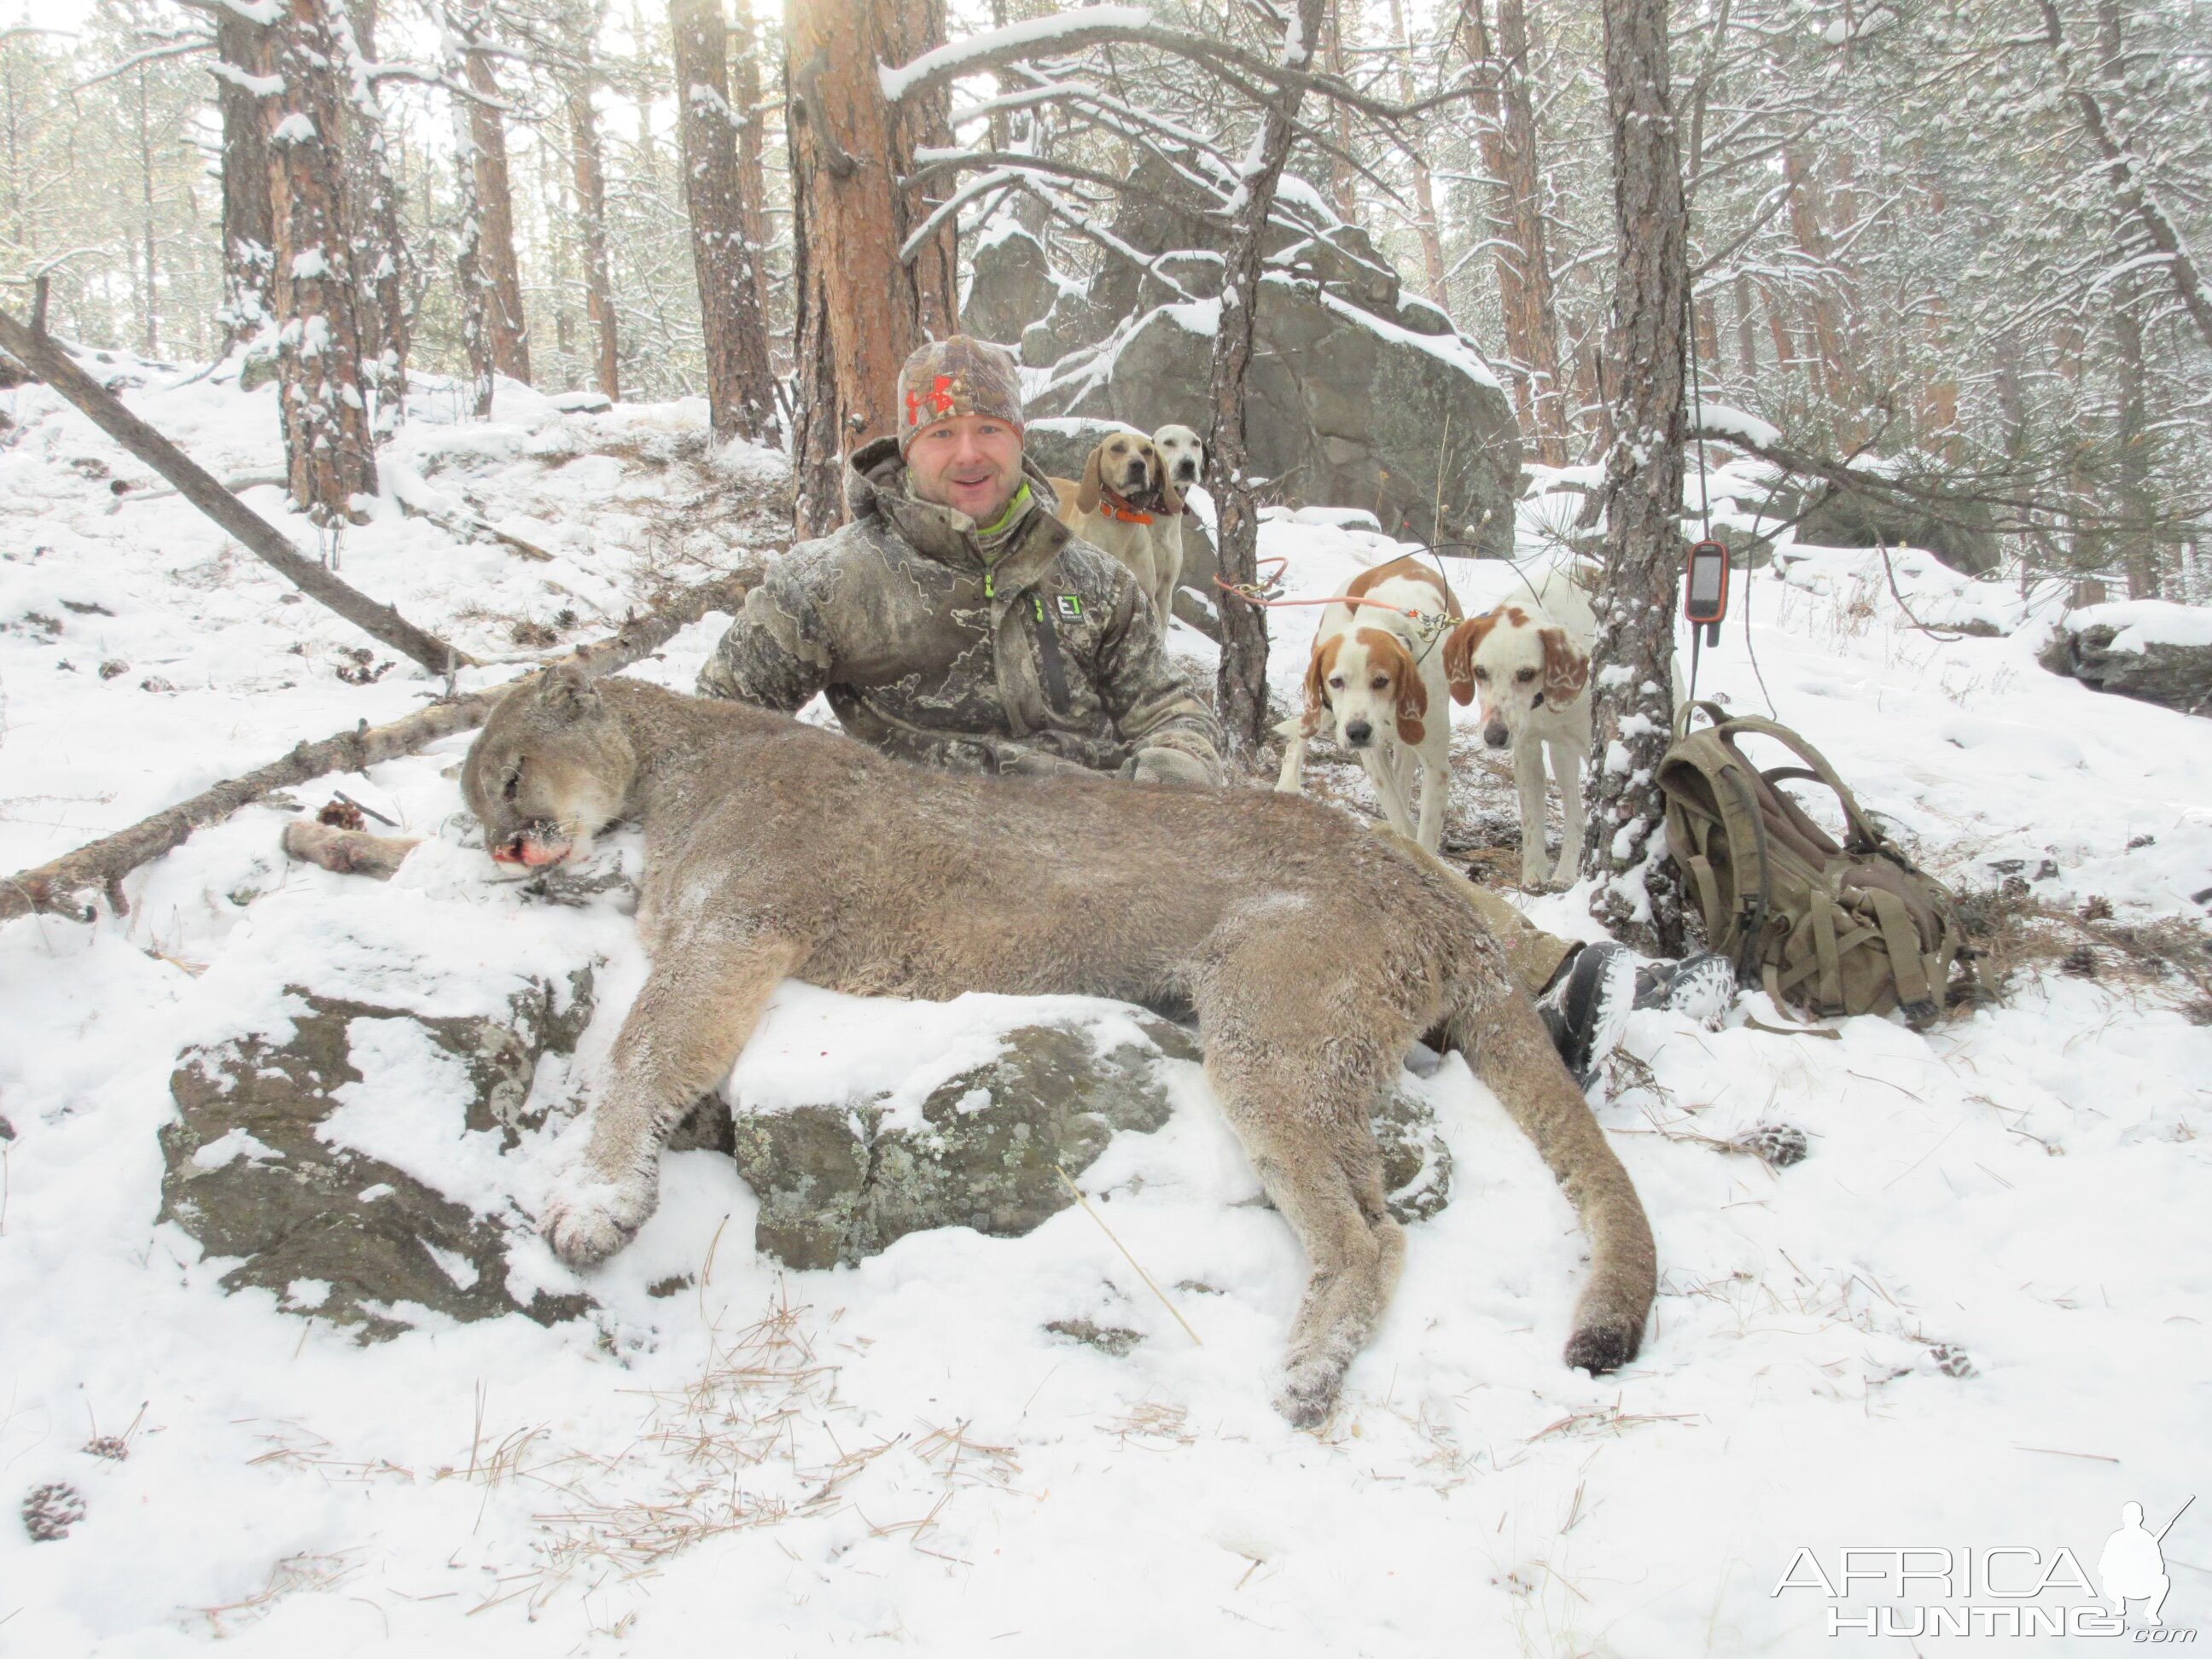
(587, 163)
(468, 255)
(1434, 279)
(1639, 893)
(752, 172)
(863, 305)
(67, 886)
(506, 325)
(379, 251)
(741, 384)
(328, 448)
(1241, 683)
(242, 61)
(263, 540)
(1506, 131)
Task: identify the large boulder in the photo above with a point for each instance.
(1342, 408)
(843, 1179)
(1360, 394)
(2149, 649)
(268, 1158)
(1960, 533)
(1010, 286)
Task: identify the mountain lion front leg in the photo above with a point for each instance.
(698, 1005)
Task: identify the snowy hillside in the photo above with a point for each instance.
(1975, 1315)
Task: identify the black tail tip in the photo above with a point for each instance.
(1604, 1347)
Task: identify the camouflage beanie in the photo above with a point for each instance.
(957, 376)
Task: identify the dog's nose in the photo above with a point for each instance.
(1357, 732)
(1497, 736)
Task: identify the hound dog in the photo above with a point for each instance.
(1124, 506)
(1379, 674)
(1529, 665)
(1183, 456)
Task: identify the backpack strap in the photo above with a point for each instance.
(1863, 829)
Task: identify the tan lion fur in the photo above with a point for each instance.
(1312, 952)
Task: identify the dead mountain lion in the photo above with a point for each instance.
(1313, 954)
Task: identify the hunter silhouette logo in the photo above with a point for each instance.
(2133, 1567)
(2004, 1589)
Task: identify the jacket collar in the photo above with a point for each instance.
(875, 488)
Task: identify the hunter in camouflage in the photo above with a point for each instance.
(954, 620)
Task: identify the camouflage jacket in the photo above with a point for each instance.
(1048, 658)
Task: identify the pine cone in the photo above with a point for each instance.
(51, 1510)
(2099, 909)
(341, 814)
(2081, 962)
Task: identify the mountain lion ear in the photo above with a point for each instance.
(567, 693)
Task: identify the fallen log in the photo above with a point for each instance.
(70, 885)
(46, 358)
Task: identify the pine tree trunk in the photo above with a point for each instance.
(1506, 131)
(752, 174)
(862, 308)
(1435, 282)
(373, 228)
(328, 449)
(1639, 893)
(2136, 540)
(468, 254)
(740, 385)
(242, 51)
(1241, 683)
(151, 337)
(509, 332)
(588, 162)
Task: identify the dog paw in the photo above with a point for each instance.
(590, 1220)
(1308, 1392)
(1603, 1345)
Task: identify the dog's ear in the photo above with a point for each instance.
(1087, 492)
(1413, 696)
(568, 694)
(1317, 667)
(1460, 647)
(1567, 670)
(1170, 498)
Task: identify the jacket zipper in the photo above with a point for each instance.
(1055, 671)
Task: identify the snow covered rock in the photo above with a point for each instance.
(1012, 286)
(842, 1179)
(261, 1166)
(2149, 649)
(1961, 532)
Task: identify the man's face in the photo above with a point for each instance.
(969, 462)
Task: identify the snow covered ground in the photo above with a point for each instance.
(1974, 1317)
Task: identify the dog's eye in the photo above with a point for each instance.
(1382, 683)
(1482, 674)
(1526, 675)
(513, 781)
(1336, 683)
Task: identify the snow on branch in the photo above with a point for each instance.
(1049, 36)
(1094, 26)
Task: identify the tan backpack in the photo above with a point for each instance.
(1855, 929)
